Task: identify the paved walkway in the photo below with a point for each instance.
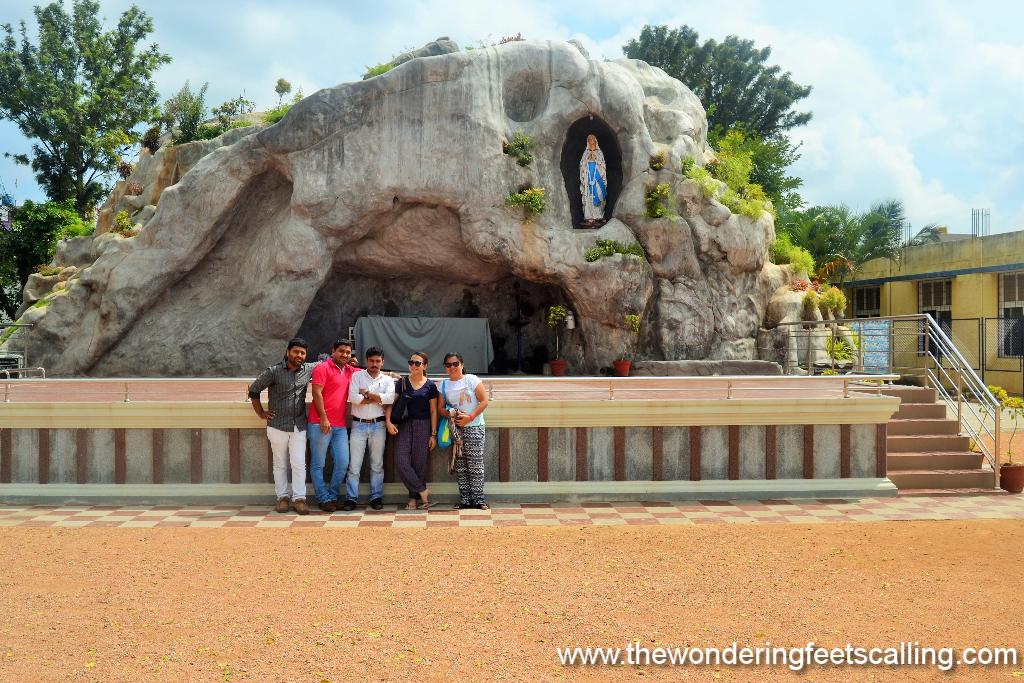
(808, 511)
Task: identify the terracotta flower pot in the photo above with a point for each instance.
(1011, 477)
(558, 367)
(621, 367)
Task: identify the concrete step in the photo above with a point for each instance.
(923, 426)
(916, 443)
(942, 479)
(910, 394)
(914, 411)
(959, 460)
(950, 493)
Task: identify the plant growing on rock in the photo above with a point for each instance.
(123, 224)
(519, 148)
(732, 166)
(151, 139)
(133, 188)
(125, 169)
(530, 198)
(783, 252)
(687, 166)
(833, 300)
(47, 270)
(379, 69)
(605, 247)
(656, 201)
(810, 303)
(659, 160)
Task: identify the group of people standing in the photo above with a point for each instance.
(341, 389)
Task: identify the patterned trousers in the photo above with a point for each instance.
(470, 467)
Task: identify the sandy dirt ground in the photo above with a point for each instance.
(493, 604)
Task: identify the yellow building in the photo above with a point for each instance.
(974, 287)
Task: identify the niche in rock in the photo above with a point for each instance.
(508, 303)
(572, 153)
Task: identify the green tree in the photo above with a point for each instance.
(731, 78)
(282, 88)
(30, 243)
(79, 93)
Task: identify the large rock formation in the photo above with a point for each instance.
(386, 196)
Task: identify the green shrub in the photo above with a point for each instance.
(530, 198)
(703, 178)
(633, 323)
(187, 110)
(733, 168)
(382, 68)
(833, 299)
(151, 139)
(810, 303)
(47, 270)
(123, 224)
(839, 349)
(274, 115)
(659, 160)
(656, 201)
(519, 148)
(605, 248)
(783, 252)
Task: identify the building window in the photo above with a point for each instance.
(1011, 315)
(935, 297)
(867, 302)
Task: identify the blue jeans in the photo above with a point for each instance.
(337, 441)
(366, 435)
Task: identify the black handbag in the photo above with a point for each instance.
(400, 408)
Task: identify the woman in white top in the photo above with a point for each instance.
(463, 399)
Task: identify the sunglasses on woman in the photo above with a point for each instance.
(416, 363)
(453, 364)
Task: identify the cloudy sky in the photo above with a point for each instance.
(921, 101)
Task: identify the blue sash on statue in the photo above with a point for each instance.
(596, 182)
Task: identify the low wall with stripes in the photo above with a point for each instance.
(233, 464)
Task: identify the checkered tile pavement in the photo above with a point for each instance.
(809, 511)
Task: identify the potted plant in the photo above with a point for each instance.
(621, 366)
(556, 316)
(1011, 474)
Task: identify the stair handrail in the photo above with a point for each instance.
(966, 379)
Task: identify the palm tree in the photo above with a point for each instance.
(842, 241)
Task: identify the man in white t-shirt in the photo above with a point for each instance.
(369, 391)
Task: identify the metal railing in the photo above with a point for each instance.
(903, 345)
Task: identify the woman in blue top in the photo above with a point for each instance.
(463, 399)
(417, 436)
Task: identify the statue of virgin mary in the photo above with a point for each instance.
(593, 182)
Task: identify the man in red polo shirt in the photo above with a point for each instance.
(328, 417)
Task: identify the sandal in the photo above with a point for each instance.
(426, 506)
(482, 506)
(411, 506)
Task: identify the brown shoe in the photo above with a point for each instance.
(282, 505)
(300, 507)
(329, 507)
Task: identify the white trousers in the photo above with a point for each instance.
(289, 447)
